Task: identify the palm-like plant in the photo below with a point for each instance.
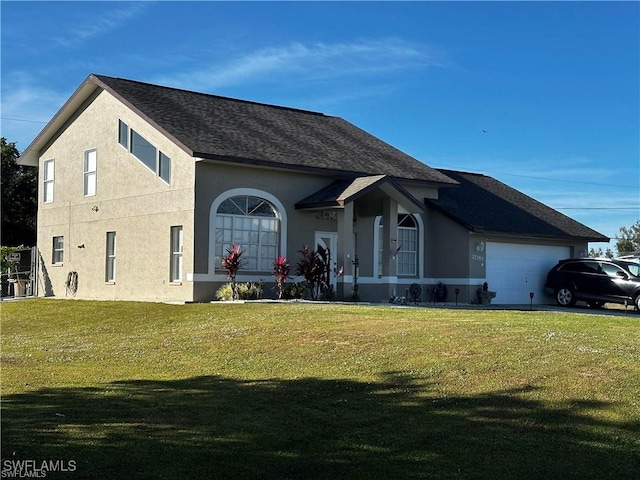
(281, 269)
(311, 266)
(231, 263)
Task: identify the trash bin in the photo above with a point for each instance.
(19, 287)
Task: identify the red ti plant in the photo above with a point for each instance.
(231, 263)
(312, 267)
(281, 270)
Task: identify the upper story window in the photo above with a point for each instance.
(123, 134)
(90, 172)
(144, 151)
(47, 176)
(252, 223)
(164, 167)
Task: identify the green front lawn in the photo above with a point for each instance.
(316, 391)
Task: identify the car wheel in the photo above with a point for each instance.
(595, 304)
(565, 297)
(636, 302)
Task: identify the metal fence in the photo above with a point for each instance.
(20, 281)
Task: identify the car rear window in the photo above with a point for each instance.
(581, 267)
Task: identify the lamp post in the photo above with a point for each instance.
(531, 294)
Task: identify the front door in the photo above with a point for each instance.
(329, 240)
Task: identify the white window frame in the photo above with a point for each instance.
(407, 256)
(90, 172)
(48, 176)
(57, 250)
(110, 263)
(378, 234)
(177, 248)
(213, 269)
(251, 232)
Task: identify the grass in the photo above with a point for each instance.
(310, 391)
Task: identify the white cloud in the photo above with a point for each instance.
(310, 62)
(97, 25)
(26, 107)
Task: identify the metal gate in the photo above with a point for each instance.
(20, 279)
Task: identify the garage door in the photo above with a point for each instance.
(514, 270)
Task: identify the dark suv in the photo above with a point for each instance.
(596, 281)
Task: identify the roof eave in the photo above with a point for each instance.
(31, 155)
(566, 237)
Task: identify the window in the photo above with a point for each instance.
(164, 167)
(582, 267)
(143, 150)
(90, 173)
(407, 243)
(252, 223)
(58, 250)
(48, 174)
(613, 270)
(110, 270)
(123, 134)
(176, 254)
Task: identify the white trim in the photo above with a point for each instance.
(281, 214)
(88, 174)
(48, 183)
(222, 278)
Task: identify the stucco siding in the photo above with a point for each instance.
(214, 180)
(130, 199)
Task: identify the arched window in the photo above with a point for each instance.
(407, 256)
(254, 224)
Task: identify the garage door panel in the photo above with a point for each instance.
(515, 270)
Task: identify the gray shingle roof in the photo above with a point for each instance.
(215, 127)
(484, 204)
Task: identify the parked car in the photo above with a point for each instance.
(595, 281)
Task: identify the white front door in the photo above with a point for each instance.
(329, 240)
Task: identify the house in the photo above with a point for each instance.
(143, 187)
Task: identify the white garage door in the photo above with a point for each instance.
(515, 270)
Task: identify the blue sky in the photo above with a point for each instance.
(544, 96)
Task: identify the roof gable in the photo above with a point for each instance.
(341, 192)
(484, 204)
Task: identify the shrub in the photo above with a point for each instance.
(225, 292)
(294, 291)
(243, 291)
(312, 267)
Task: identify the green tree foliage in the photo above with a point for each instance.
(19, 186)
(593, 253)
(629, 239)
